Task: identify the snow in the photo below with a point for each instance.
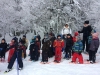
(63, 68)
(40, 15)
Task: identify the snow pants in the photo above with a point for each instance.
(77, 56)
(45, 56)
(17, 55)
(34, 55)
(2, 54)
(58, 53)
(68, 52)
(92, 55)
(50, 52)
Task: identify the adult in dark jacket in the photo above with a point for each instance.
(68, 48)
(94, 45)
(3, 47)
(86, 33)
(45, 49)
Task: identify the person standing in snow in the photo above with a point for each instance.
(35, 50)
(94, 45)
(66, 30)
(25, 41)
(58, 45)
(75, 38)
(51, 51)
(45, 49)
(17, 55)
(3, 47)
(68, 48)
(31, 51)
(75, 35)
(11, 50)
(77, 50)
(86, 33)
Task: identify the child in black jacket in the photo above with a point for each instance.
(3, 47)
(68, 48)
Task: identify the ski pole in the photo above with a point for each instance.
(17, 64)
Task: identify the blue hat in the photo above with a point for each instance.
(58, 36)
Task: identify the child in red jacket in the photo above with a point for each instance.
(58, 45)
(11, 51)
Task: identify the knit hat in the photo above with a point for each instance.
(95, 35)
(15, 39)
(86, 22)
(24, 36)
(76, 34)
(58, 36)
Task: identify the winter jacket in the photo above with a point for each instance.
(77, 47)
(94, 44)
(35, 46)
(12, 48)
(69, 42)
(3, 47)
(89, 39)
(46, 45)
(66, 31)
(58, 43)
(52, 39)
(93, 35)
(38, 45)
(25, 42)
(86, 31)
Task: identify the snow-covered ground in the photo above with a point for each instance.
(63, 68)
(30, 13)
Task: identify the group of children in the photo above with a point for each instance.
(16, 50)
(50, 46)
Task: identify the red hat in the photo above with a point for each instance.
(76, 34)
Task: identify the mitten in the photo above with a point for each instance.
(78, 31)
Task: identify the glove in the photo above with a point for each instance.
(78, 31)
(79, 53)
